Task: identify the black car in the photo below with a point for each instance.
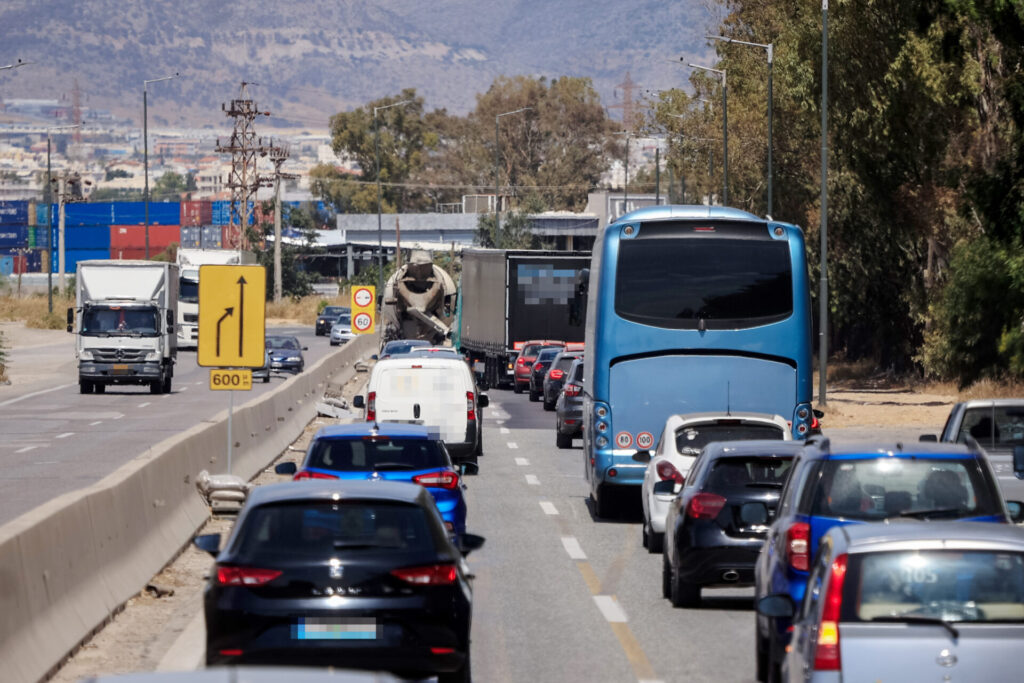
(539, 369)
(556, 376)
(353, 574)
(286, 353)
(717, 523)
(328, 317)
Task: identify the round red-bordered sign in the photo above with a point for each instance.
(644, 440)
(623, 439)
(362, 322)
(362, 297)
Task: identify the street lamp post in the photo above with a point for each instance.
(497, 166)
(769, 48)
(725, 129)
(145, 147)
(380, 243)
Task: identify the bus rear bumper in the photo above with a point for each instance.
(621, 468)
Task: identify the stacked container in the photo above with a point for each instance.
(196, 213)
(191, 237)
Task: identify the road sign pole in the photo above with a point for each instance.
(231, 409)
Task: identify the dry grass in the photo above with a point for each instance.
(302, 311)
(33, 311)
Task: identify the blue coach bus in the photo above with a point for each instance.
(689, 309)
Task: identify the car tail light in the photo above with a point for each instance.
(438, 480)
(572, 390)
(705, 506)
(520, 361)
(231, 653)
(371, 407)
(815, 423)
(470, 408)
(442, 650)
(429, 575)
(826, 654)
(666, 470)
(798, 545)
(245, 576)
(556, 374)
(306, 474)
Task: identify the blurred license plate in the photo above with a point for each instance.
(312, 628)
(120, 369)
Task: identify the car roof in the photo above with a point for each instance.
(361, 429)
(822, 449)
(674, 422)
(907, 534)
(404, 342)
(766, 447)
(335, 489)
(433, 361)
(987, 402)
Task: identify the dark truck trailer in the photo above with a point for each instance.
(507, 297)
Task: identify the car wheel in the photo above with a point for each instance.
(773, 674)
(643, 534)
(684, 593)
(517, 387)
(266, 380)
(666, 577)
(534, 396)
(85, 387)
(563, 440)
(463, 675)
(655, 541)
(549, 406)
(761, 657)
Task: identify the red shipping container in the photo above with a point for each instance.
(197, 213)
(130, 253)
(134, 237)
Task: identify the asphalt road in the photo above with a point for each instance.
(56, 440)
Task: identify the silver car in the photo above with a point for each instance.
(909, 601)
(341, 330)
(569, 406)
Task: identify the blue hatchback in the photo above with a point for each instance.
(854, 485)
(388, 452)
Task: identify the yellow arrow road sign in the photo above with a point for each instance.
(232, 316)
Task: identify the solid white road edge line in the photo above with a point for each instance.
(186, 654)
(572, 546)
(35, 393)
(610, 608)
(548, 508)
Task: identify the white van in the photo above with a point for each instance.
(434, 392)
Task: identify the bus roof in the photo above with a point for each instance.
(692, 211)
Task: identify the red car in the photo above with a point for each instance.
(524, 361)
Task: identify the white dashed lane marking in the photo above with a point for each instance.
(143, 405)
(513, 445)
(548, 508)
(572, 546)
(505, 430)
(522, 462)
(97, 422)
(64, 435)
(610, 608)
(26, 449)
(532, 480)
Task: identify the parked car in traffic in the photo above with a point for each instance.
(286, 353)
(717, 523)
(328, 317)
(681, 441)
(435, 352)
(908, 602)
(523, 365)
(539, 369)
(389, 452)
(569, 407)
(398, 347)
(861, 483)
(352, 574)
(555, 376)
(439, 393)
(341, 330)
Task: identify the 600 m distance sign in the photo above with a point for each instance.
(231, 380)
(232, 316)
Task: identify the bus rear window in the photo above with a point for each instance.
(726, 283)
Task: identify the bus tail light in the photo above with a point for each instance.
(826, 654)
(798, 545)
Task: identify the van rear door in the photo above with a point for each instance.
(424, 394)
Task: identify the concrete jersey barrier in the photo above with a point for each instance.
(67, 565)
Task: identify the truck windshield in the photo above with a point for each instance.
(188, 291)
(120, 321)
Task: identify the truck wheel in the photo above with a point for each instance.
(167, 385)
(602, 502)
(155, 386)
(99, 388)
(85, 386)
(563, 440)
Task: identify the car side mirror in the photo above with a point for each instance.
(71, 320)
(483, 401)
(286, 468)
(305, 348)
(470, 468)
(357, 402)
(754, 514)
(373, 357)
(1018, 462)
(1016, 510)
(777, 606)
(470, 542)
(929, 438)
(665, 486)
(208, 543)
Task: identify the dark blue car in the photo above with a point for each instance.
(854, 485)
(388, 452)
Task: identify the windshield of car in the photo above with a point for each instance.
(397, 348)
(322, 529)
(120, 321)
(949, 585)
(993, 426)
(344, 320)
(286, 343)
(332, 311)
(755, 471)
(919, 487)
(692, 438)
(376, 453)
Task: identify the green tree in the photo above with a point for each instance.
(170, 185)
(295, 281)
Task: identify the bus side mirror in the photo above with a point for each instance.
(71, 320)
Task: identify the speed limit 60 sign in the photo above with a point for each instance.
(364, 309)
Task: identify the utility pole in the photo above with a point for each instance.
(278, 155)
(64, 181)
(823, 278)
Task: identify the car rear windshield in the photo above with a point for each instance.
(993, 426)
(748, 472)
(398, 348)
(578, 375)
(951, 585)
(548, 355)
(332, 311)
(726, 283)
(564, 363)
(376, 454)
(322, 529)
(918, 487)
(692, 438)
(531, 350)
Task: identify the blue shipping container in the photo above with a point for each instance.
(221, 212)
(13, 236)
(83, 237)
(14, 212)
(117, 213)
(42, 214)
(73, 256)
(6, 264)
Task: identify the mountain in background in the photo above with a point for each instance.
(311, 58)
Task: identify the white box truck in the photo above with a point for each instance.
(124, 316)
(189, 261)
